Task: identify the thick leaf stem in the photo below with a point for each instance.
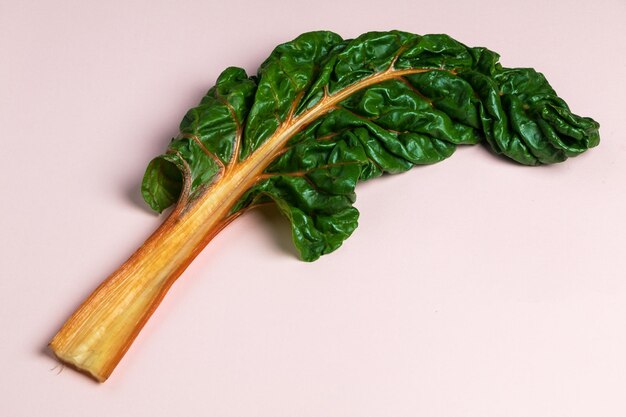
(102, 329)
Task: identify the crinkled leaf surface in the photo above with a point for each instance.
(342, 111)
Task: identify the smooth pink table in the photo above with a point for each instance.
(473, 287)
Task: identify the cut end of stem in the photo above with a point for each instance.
(74, 363)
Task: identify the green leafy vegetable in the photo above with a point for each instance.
(322, 114)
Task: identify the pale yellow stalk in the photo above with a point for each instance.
(99, 333)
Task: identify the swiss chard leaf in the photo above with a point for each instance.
(324, 113)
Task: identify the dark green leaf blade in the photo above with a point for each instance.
(283, 78)
(337, 112)
(208, 138)
(162, 182)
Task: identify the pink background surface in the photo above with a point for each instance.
(473, 287)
